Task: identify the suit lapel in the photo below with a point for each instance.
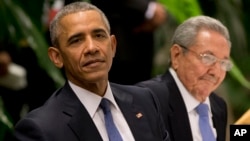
(130, 112)
(180, 127)
(218, 121)
(82, 124)
(79, 120)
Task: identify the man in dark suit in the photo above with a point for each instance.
(134, 23)
(199, 60)
(83, 46)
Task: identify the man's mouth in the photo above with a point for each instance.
(92, 62)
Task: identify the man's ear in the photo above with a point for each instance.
(113, 44)
(175, 53)
(55, 56)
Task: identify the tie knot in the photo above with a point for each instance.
(202, 109)
(105, 105)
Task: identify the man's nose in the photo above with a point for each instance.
(90, 46)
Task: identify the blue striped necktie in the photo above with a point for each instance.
(205, 129)
(112, 131)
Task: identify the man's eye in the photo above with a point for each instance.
(210, 57)
(75, 41)
(225, 62)
(100, 35)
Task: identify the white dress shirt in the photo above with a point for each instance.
(91, 102)
(191, 103)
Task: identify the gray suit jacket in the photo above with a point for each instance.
(174, 112)
(64, 118)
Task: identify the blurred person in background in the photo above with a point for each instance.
(22, 79)
(13, 85)
(13, 82)
(134, 23)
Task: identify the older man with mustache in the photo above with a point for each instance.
(199, 60)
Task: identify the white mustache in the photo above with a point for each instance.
(210, 78)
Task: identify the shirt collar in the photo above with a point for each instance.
(91, 100)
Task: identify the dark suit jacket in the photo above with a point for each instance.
(64, 118)
(175, 114)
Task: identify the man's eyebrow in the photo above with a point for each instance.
(80, 34)
(98, 30)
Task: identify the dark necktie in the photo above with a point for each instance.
(206, 131)
(112, 131)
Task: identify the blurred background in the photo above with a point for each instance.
(24, 40)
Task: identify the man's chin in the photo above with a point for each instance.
(97, 77)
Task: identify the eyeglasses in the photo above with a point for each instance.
(209, 59)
